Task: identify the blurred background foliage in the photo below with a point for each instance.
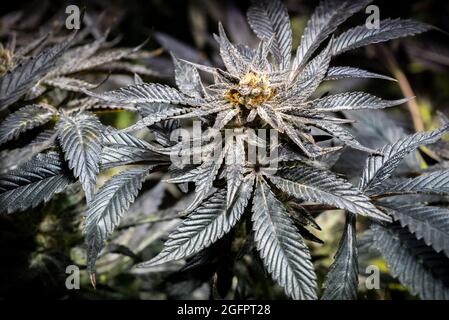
(37, 246)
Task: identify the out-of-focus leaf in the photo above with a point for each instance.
(24, 119)
(16, 83)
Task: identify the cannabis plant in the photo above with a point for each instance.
(47, 82)
(264, 196)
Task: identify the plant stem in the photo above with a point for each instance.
(405, 86)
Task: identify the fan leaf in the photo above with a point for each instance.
(69, 84)
(120, 148)
(327, 17)
(431, 183)
(234, 62)
(412, 262)
(188, 79)
(34, 182)
(12, 159)
(235, 161)
(342, 280)
(24, 119)
(388, 29)
(344, 135)
(80, 138)
(268, 19)
(311, 184)
(280, 245)
(147, 93)
(337, 73)
(153, 113)
(107, 208)
(204, 226)
(428, 223)
(379, 167)
(15, 84)
(308, 80)
(353, 101)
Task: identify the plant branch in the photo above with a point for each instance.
(405, 86)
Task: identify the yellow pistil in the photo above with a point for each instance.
(252, 90)
(5, 60)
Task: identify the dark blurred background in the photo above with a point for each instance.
(36, 246)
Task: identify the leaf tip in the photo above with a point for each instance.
(93, 280)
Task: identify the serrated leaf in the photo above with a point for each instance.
(235, 161)
(177, 171)
(271, 116)
(203, 111)
(147, 93)
(127, 68)
(311, 184)
(153, 113)
(102, 58)
(247, 52)
(24, 119)
(287, 154)
(25, 50)
(90, 103)
(260, 60)
(268, 18)
(411, 261)
(71, 59)
(33, 183)
(121, 148)
(342, 279)
(431, 183)
(310, 150)
(427, 222)
(69, 84)
(325, 20)
(235, 63)
(280, 245)
(379, 167)
(162, 130)
(80, 138)
(188, 79)
(205, 176)
(107, 208)
(11, 159)
(388, 29)
(222, 118)
(337, 73)
(342, 134)
(353, 101)
(309, 78)
(204, 226)
(16, 83)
